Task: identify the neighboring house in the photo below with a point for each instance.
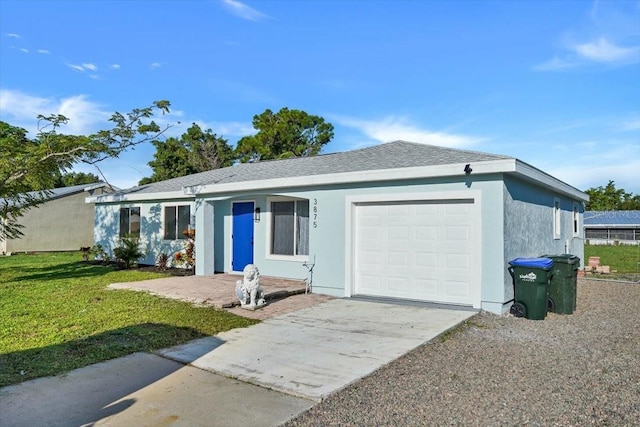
(610, 227)
(63, 223)
(397, 220)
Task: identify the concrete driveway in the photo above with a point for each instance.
(314, 352)
(262, 375)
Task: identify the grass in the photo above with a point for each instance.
(623, 258)
(56, 314)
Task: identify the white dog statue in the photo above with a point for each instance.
(248, 290)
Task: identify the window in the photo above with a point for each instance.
(129, 221)
(556, 219)
(176, 220)
(576, 220)
(290, 228)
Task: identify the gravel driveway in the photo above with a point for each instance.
(568, 370)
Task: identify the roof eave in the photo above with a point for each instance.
(532, 174)
(133, 197)
(448, 170)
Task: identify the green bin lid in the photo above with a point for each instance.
(563, 258)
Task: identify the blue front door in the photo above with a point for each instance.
(242, 235)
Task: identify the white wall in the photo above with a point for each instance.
(107, 228)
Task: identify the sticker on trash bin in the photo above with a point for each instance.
(531, 277)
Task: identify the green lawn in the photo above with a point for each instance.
(56, 314)
(623, 258)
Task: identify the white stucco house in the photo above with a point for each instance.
(397, 220)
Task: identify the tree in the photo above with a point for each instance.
(27, 165)
(611, 198)
(75, 178)
(285, 134)
(195, 151)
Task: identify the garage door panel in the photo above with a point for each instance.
(458, 208)
(373, 282)
(458, 261)
(415, 250)
(426, 209)
(426, 234)
(426, 287)
(456, 289)
(397, 259)
(457, 233)
(398, 284)
(426, 259)
(398, 232)
(372, 258)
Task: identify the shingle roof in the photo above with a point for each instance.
(612, 218)
(392, 155)
(57, 193)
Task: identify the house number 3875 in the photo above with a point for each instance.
(315, 213)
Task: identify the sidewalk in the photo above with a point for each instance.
(144, 390)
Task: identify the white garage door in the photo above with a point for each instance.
(416, 250)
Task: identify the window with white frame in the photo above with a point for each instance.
(576, 220)
(556, 219)
(176, 221)
(129, 222)
(289, 227)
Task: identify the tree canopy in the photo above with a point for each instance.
(195, 151)
(35, 164)
(611, 198)
(74, 178)
(285, 134)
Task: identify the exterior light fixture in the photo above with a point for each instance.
(467, 169)
(256, 215)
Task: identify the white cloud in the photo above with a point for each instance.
(21, 109)
(13, 35)
(615, 160)
(89, 66)
(630, 125)
(556, 64)
(115, 66)
(243, 11)
(607, 35)
(155, 65)
(602, 50)
(44, 51)
(393, 128)
(24, 50)
(75, 67)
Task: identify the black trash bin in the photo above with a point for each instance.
(563, 287)
(531, 284)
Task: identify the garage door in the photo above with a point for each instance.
(416, 250)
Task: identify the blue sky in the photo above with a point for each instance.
(553, 83)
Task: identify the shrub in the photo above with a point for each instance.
(100, 254)
(187, 256)
(128, 251)
(162, 260)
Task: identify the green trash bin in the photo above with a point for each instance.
(531, 278)
(563, 287)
